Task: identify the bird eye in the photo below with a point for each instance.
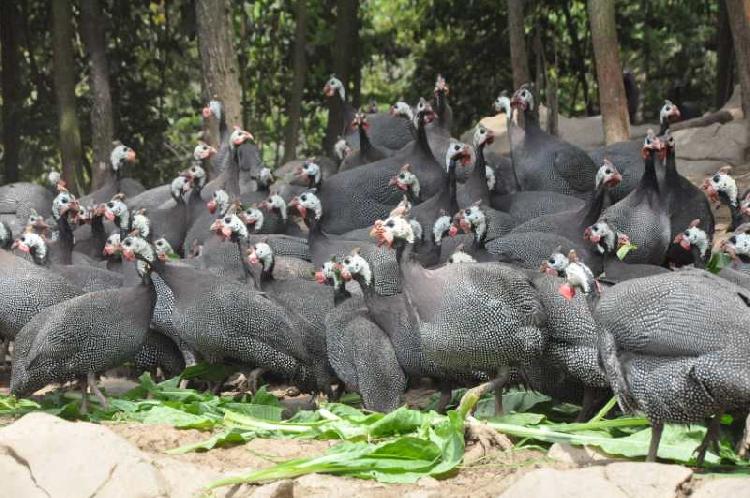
(608, 171)
(128, 243)
(716, 178)
(227, 220)
(551, 261)
(303, 198)
(347, 261)
(402, 176)
(467, 211)
(732, 239)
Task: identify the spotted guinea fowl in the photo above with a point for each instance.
(119, 159)
(669, 356)
(84, 336)
(642, 214)
(606, 240)
(721, 189)
(385, 130)
(19, 199)
(689, 247)
(486, 224)
(544, 162)
(306, 303)
(362, 195)
(476, 187)
(367, 152)
(225, 320)
(359, 351)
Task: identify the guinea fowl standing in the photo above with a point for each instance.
(642, 214)
(544, 162)
(721, 188)
(119, 158)
(385, 130)
(669, 355)
(689, 247)
(84, 336)
(367, 152)
(359, 351)
(363, 195)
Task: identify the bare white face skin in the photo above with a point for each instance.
(28, 242)
(341, 149)
(481, 135)
(441, 226)
(356, 265)
(489, 173)
(558, 261)
(62, 203)
(136, 247)
(335, 85)
(459, 257)
(723, 182)
(402, 109)
(254, 217)
(310, 202)
(163, 248)
(277, 202)
(606, 173)
(502, 104)
(310, 168)
(120, 155)
(203, 151)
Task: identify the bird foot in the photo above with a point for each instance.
(711, 440)
(248, 381)
(743, 446)
(482, 439)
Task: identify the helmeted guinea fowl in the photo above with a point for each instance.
(385, 130)
(306, 302)
(544, 162)
(486, 224)
(367, 152)
(84, 336)
(476, 187)
(721, 188)
(689, 247)
(91, 238)
(359, 351)
(363, 195)
(119, 158)
(20, 200)
(643, 214)
(672, 352)
(216, 134)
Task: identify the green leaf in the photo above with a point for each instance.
(226, 438)
(623, 250)
(176, 418)
(718, 261)
(208, 371)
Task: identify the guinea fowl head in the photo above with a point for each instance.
(472, 219)
(607, 175)
(53, 178)
(265, 177)
(406, 181)
(253, 218)
(196, 175)
(458, 152)
(179, 187)
(502, 104)
(333, 86)
(261, 253)
(120, 155)
(669, 112)
(360, 121)
(229, 227)
(523, 98)
(307, 202)
(483, 136)
(240, 136)
(64, 203)
(392, 229)
(425, 113)
(650, 143)
(310, 172)
(441, 87)
(32, 243)
(721, 187)
(341, 149)
(402, 109)
(212, 110)
(555, 265)
(330, 274)
(219, 201)
(164, 249)
(36, 222)
(112, 245)
(275, 203)
(136, 248)
(605, 237)
(577, 276)
(354, 266)
(203, 151)
(116, 208)
(691, 237)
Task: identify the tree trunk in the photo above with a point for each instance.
(299, 68)
(739, 21)
(346, 41)
(65, 82)
(579, 61)
(612, 99)
(724, 58)
(218, 58)
(102, 127)
(12, 99)
(518, 60)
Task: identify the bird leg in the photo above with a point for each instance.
(91, 381)
(445, 397)
(83, 385)
(653, 448)
(711, 439)
(498, 384)
(3, 352)
(189, 358)
(591, 400)
(249, 381)
(744, 444)
(481, 438)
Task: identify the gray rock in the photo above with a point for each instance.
(575, 455)
(715, 142)
(722, 488)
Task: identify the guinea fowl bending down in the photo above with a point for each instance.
(120, 156)
(668, 355)
(642, 214)
(84, 336)
(544, 162)
(359, 351)
(689, 247)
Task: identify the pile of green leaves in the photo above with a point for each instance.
(398, 447)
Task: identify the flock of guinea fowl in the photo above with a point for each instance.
(407, 256)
